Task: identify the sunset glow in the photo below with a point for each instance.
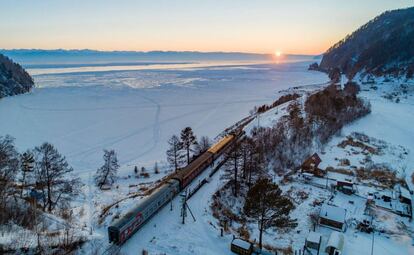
(299, 27)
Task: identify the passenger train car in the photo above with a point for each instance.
(125, 227)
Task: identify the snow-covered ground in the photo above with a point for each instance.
(135, 112)
(389, 127)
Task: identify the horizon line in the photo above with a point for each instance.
(151, 51)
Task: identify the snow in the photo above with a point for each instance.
(336, 240)
(333, 213)
(241, 243)
(136, 112)
(313, 237)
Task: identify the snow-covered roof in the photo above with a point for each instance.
(307, 175)
(314, 237)
(386, 192)
(333, 213)
(405, 193)
(336, 240)
(241, 243)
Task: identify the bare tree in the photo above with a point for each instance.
(203, 144)
(9, 165)
(189, 140)
(53, 179)
(266, 204)
(231, 167)
(174, 153)
(26, 167)
(106, 174)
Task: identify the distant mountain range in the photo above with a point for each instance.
(13, 78)
(383, 46)
(29, 57)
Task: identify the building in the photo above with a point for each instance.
(335, 243)
(332, 217)
(310, 165)
(313, 242)
(345, 184)
(241, 247)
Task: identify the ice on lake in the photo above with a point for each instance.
(136, 111)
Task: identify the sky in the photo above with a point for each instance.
(260, 26)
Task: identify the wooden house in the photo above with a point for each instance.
(310, 165)
(332, 217)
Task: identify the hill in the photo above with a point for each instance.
(14, 79)
(383, 46)
(29, 57)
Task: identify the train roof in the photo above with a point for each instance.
(220, 144)
(143, 203)
(193, 165)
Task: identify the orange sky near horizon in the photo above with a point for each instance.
(262, 26)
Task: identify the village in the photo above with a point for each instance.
(360, 201)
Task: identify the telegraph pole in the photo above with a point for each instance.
(184, 207)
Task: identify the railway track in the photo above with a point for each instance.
(112, 250)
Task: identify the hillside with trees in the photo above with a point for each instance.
(383, 46)
(14, 79)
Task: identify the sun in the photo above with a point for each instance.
(278, 54)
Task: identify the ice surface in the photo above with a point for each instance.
(135, 112)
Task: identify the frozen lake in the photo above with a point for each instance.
(135, 111)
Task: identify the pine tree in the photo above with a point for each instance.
(26, 166)
(189, 140)
(268, 207)
(52, 174)
(174, 153)
(106, 174)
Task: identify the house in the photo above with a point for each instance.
(313, 241)
(335, 243)
(310, 165)
(241, 247)
(345, 185)
(332, 217)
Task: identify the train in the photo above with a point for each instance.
(131, 222)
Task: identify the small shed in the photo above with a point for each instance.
(332, 217)
(335, 243)
(313, 241)
(242, 247)
(310, 165)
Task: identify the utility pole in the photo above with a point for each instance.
(373, 234)
(184, 207)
